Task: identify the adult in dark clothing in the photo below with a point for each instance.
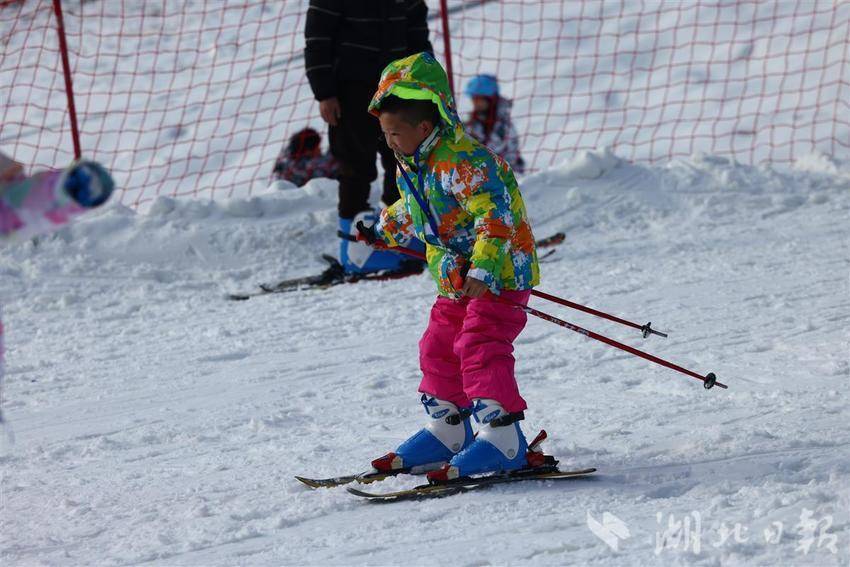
(348, 44)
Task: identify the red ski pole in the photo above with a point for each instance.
(645, 329)
(708, 381)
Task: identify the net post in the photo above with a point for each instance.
(447, 44)
(66, 66)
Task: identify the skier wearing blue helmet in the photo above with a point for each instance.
(490, 121)
(483, 85)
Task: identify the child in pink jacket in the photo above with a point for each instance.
(45, 201)
(302, 159)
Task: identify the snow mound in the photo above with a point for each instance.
(819, 162)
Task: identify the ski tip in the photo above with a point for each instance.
(238, 296)
(361, 493)
(324, 482)
(582, 472)
(327, 482)
(425, 491)
(308, 481)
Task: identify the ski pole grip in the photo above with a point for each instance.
(366, 233)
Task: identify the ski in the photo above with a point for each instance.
(335, 274)
(326, 482)
(364, 478)
(549, 242)
(367, 477)
(332, 276)
(553, 240)
(547, 472)
(544, 464)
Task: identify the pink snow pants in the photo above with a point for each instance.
(467, 350)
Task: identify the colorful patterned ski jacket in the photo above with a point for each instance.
(457, 196)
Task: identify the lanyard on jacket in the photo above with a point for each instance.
(420, 199)
(427, 211)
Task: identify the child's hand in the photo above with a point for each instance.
(474, 288)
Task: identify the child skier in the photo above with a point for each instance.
(302, 159)
(45, 201)
(463, 201)
(490, 121)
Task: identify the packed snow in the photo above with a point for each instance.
(157, 421)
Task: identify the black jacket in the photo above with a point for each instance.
(355, 39)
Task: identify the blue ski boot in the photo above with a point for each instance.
(447, 433)
(359, 257)
(499, 447)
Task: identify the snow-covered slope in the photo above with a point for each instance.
(156, 421)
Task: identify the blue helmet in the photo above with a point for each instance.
(482, 85)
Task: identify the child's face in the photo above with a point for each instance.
(480, 103)
(401, 136)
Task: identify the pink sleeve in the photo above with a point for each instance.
(34, 205)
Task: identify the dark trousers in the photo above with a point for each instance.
(354, 142)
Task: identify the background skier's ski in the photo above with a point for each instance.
(334, 274)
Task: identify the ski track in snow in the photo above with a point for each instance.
(158, 422)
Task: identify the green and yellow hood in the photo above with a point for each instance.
(419, 77)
